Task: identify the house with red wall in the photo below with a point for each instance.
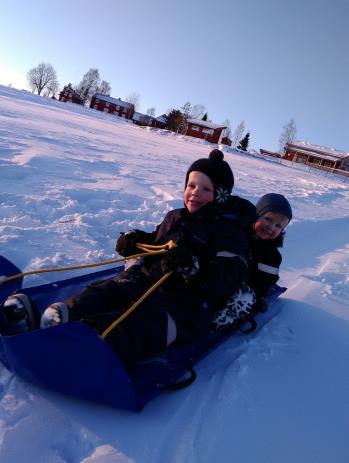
(316, 156)
(110, 105)
(205, 130)
(273, 154)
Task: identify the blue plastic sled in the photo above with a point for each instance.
(72, 359)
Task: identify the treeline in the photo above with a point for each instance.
(43, 80)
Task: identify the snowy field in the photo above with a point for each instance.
(71, 180)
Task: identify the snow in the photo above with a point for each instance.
(71, 180)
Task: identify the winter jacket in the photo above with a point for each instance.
(216, 237)
(264, 263)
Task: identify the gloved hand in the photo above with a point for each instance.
(261, 305)
(126, 243)
(178, 260)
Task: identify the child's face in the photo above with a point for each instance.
(270, 225)
(198, 192)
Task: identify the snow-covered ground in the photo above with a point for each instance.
(71, 180)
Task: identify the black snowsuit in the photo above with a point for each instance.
(216, 238)
(264, 263)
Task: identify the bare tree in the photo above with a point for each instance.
(186, 114)
(41, 77)
(238, 134)
(134, 98)
(104, 88)
(227, 131)
(51, 89)
(88, 85)
(151, 112)
(288, 134)
(197, 111)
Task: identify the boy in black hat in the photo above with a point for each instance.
(210, 261)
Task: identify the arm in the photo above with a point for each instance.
(265, 264)
(227, 268)
(126, 243)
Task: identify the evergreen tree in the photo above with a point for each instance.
(243, 145)
(204, 117)
(175, 120)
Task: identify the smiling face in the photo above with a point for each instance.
(270, 225)
(198, 192)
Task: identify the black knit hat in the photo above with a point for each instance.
(219, 173)
(274, 202)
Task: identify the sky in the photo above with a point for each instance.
(263, 62)
(71, 180)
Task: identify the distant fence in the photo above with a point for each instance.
(329, 170)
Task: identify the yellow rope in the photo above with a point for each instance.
(134, 306)
(149, 249)
(161, 250)
(171, 244)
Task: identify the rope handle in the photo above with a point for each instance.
(134, 306)
(150, 250)
(171, 244)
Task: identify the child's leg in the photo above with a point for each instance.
(141, 335)
(102, 297)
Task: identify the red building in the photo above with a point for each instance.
(226, 141)
(205, 130)
(273, 154)
(69, 95)
(160, 122)
(110, 105)
(316, 156)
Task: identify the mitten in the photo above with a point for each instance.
(126, 243)
(178, 260)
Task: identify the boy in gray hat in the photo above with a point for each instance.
(265, 238)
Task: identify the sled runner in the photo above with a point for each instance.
(72, 358)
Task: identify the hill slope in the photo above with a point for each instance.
(71, 180)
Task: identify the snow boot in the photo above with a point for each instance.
(55, 314)
(17, 315)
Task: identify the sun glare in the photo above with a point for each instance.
(12, 78)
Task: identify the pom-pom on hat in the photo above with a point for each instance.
(274, 202)
(219, 173)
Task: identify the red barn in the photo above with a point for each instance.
(110, 105)
(205, 130)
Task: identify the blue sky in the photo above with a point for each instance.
(261, 61)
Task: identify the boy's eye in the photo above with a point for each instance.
(208, 189)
